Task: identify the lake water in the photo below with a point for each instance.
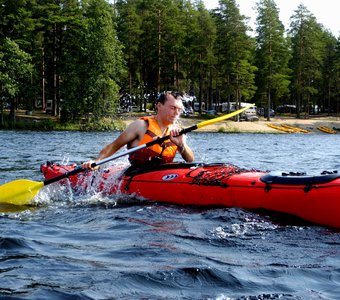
(89, 247)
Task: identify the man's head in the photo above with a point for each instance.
(169, 107)
(163, 96)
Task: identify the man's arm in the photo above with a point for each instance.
(131, 135)
(186, 152)
(183, 148)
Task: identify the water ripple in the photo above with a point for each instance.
(89, 246)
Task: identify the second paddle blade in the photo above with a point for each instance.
(19, 192)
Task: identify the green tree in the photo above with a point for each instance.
(235, 54)
(78, 56)
(49, 33)
(15, 71)
(336, 76)
(129, 22)
(328, 90)
(307, 58)
(272, 56)
(156, 37)
(161, 43)
(72, 66)
(103, 59)
(136, 25)
(17, 24)
(200, 61)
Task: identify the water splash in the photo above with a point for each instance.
(245, 229)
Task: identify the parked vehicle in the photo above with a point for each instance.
(286, 108)
(48, 108)
(250, 114)
(188, 104)
(264, 112)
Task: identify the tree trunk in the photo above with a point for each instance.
(43, 79)
(2, 123)
(159, 51)
(12, 118)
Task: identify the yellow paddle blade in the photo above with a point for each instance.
(224, 117)
(19, 192)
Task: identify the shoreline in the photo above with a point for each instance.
(228, 126)
(260, 126)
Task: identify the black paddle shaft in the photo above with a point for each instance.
(63, 176)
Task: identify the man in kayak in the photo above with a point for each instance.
(169, 107)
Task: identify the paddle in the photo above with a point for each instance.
(23, 191)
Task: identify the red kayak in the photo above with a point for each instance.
(312, 198)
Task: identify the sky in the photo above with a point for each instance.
(325, 11)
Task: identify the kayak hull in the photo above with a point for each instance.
(312, 198)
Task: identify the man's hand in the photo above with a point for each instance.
(176, 138)
(88, 165)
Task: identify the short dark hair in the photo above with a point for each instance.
(163, 96)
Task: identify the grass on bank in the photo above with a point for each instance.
(103, 124)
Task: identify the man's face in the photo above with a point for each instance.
(170, 111)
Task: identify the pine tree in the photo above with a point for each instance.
(200, 41)
(16, 43)
(327, 96)
(307, 58)
(102, 59)
(272, 56)
(71, 62)
(235, 54)
(15, 70)
(334, 85)
(129, 22)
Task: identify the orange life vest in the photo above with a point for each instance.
(163, 153)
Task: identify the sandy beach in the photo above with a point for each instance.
(261, 126)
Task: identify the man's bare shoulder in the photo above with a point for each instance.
(138, 127)
(134, 132)
(138, 124)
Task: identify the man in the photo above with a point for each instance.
(169, 107)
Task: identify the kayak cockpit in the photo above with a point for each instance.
(299, 178)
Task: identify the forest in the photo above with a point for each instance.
(85, 56)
